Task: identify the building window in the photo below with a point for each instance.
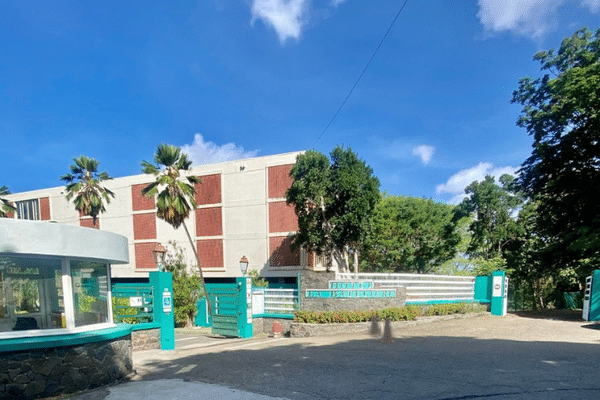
(90, 292)
(28, 209)
(31, 295)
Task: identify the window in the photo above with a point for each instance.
(30, 294)
(28, 209)
(90, 292)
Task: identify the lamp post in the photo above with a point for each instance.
(159, 255)
(244, 265)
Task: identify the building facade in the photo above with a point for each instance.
(241, 212)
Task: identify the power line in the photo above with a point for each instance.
(361, 74)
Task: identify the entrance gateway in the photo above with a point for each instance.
(232, 308)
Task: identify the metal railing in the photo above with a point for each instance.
(274, 302)
(133, 303)
(422, 288)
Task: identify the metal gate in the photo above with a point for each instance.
(232, 312)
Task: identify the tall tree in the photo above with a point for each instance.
(5, 207)
(334, 201)
(410, 234)
(561, 111)
(493, 208)
(175, 194)
(84, 184)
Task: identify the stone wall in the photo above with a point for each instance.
(262, 326)
(147, 339)
(319, 280)
(32, 374)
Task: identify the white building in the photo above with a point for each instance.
(241, 212)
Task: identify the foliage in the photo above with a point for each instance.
(186, 286)
(83, 183)
(5, 207)
(410, 234)
(561, 111)
(407, 313)
(334, 201)
(175, 197)
(492, 207)
(258, 281)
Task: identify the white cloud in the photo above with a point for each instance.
(456, 184)
(202, 152)
(285, 16)
(425, 152)
(526, 17)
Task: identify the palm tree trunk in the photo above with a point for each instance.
(199, 270)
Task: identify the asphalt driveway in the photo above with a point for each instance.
(526, 356)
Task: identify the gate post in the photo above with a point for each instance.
(244, 307)
(162, 282)
(499, 293)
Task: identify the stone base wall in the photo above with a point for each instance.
(320, 280)
(262, 326)
(147, 339)
(32, 374)
(377, 330)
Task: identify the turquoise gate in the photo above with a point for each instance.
(232, 308)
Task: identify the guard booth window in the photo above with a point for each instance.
(31, 294)
(28, 209)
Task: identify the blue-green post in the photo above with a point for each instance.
(499, 293)
(245, 306)
(164, 313)
(595, 297)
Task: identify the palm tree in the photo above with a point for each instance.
(5, 206)
(175, 197)
(83, 183)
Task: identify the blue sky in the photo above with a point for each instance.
(228, 79)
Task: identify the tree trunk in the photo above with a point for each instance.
(199, 270)
(356, 263)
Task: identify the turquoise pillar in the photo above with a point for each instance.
(162, 283)
(245, 307)
(595, 297)
(499, 293)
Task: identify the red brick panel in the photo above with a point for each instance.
(10, 214)
(282, 218)
(209, 221)
(139, 202)
(210, 253)
(281, 254)
(144, 226)
(279, 180)
(143, 256)
(89, 222)
(45, 208)
(209, 191)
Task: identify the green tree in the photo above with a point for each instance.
(410, 234)
(186, 286)
(493, 208)
(561, 111)
(84, 184)
(5, 207)
(175, 196)
(334, 201)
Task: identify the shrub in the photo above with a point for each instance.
(407, 313)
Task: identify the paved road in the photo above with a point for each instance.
(515, 357)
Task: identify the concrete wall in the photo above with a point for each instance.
(319, 280)
(31, 374)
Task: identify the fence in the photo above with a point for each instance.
(422, 289)
(133, 303)
(280, 303)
